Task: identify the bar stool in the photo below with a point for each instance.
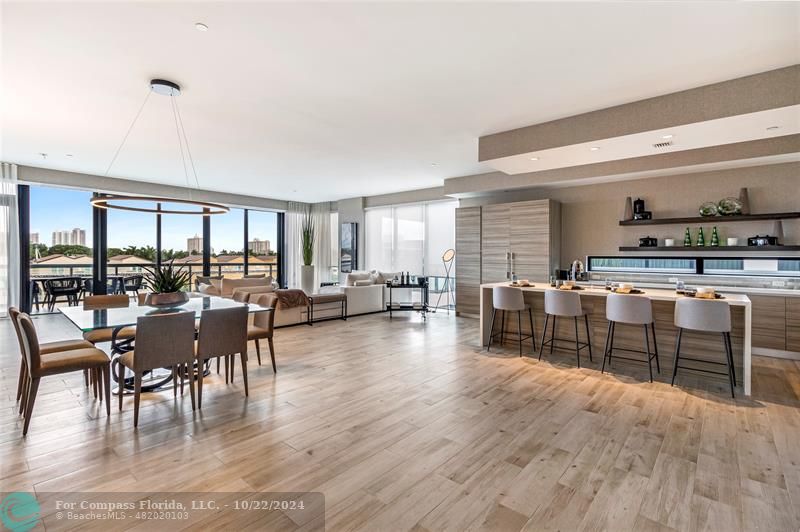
(705, 316)
(565, 304)
(630, 310)
(509, 298)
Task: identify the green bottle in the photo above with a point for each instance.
(687, 238)
(714, 237)
(701, 238)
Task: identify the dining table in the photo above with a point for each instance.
(117, 318)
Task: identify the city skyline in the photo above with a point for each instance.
(54, 208)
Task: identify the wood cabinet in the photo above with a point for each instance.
(769, 321)
(468, 260)
(492, 239)
(793, 324)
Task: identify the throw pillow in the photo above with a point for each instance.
(364, 282)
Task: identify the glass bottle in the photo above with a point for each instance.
(701, 238)
(715, 237)
(687, 238)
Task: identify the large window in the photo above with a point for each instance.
(227, 244)
(262, 229)
(410, 238)
(182, 242)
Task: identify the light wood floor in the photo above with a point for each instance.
(404, 425)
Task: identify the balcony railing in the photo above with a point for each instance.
(39, 271)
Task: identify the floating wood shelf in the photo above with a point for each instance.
(720, 249)
(714, 219)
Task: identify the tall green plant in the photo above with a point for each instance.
(307, 235)
(166, 279)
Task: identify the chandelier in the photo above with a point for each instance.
(153, 204)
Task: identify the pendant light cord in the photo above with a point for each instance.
(180, 142)
(125, 138)
(188, 150)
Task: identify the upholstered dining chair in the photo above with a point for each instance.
(56, 363)
(162, 341)
(240, 296)
(98, 336)
(263, 326)
(44, 350)
(223, 333)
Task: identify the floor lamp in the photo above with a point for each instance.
(447, 259)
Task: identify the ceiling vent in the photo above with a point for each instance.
(662, 145)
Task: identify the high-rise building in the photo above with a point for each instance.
(34, 238)
(258, 247)
(194, 244)
(78, 237)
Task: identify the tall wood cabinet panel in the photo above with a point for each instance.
(793, 324)
(495, 242)
(769, 321)
(468, 260)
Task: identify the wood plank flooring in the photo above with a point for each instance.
(405, 425)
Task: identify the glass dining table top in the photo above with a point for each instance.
(111, 318)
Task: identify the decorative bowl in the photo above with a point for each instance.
(166, 300)
(709, 208)
(729, 207)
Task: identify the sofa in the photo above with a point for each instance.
(225, 287)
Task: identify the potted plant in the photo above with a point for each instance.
(307, 235)
(166, 285)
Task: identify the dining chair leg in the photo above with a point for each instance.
(243, 358)
(200, 371)
(107, 387)
(227, 370)
(577, 344)
(218, 366)
(519, 330)
(21, 380)
(647, 348)
(26, 387)
(34, 387)
(98, 372)
(93, 378)
(588, 336)
(491, 330)
(605, 349)
(120, 383)
(86, 378)
(677, 355)
(544, 333)
(174, 382)
(258, 352)
(272, 355)
(137, 394)
(187, 368)
(655, 346)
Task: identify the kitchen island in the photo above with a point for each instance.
(695, 345)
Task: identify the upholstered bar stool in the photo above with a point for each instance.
(706, 316)
(509, 298)
(630, 310)
(564, 304)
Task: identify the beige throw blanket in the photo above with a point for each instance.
(292, 298)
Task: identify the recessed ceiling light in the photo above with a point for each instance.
(200, 26)
(771, 128)
(44, 155)
(534, 158)
(434, 164)
(668, 136)
(594, 148)
(69, 155)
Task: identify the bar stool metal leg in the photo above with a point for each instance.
(655, 346)
(605, 349)
(577, 345)
(544, 333)
(588, 336)
(519, 330)
(552, 335)
(647, 348)
(729, 361)
(503, 328)
(677, 355)
(491, 329)
(533, 330)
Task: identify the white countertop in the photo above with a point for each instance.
(661, 294)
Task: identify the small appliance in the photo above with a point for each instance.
(648, 242)
(762, 240)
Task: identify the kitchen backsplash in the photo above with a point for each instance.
(790, 283)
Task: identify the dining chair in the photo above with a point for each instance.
(241, 296)
(97, 336)
(132, 283)
(264, 326)
(67, 287)
(44, 350)
(56, 363)
(162, 341)
(223, 333)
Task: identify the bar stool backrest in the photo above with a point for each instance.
(635, 310)
(562, 303)
(507, 298)
(703, 315)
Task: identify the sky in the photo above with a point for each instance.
(56, 209)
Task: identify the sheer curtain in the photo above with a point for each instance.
(293, 221)
(321, 214)
(9, 238)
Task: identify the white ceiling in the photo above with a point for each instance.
(324, 101)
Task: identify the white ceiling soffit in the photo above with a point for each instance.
(321, 101)
(729, 130)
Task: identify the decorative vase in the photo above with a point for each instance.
(166, 300)
(687, 238)
(744, 199)
(777, 231)
(307, 279)
(628, 214)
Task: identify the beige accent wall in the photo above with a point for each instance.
(590, 214)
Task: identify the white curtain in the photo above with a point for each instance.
(293, 222)
(9, 238)
(321, 214)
